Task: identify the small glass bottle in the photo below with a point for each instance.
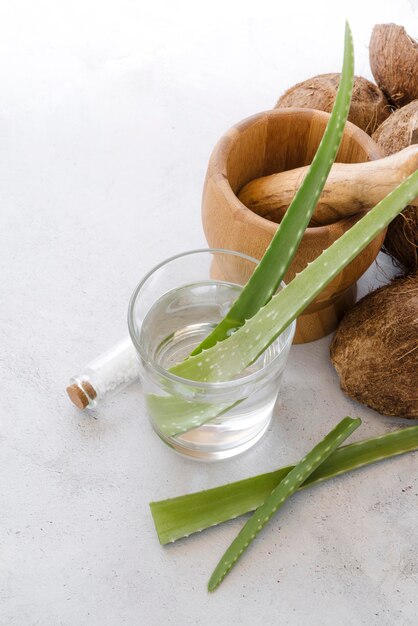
(106, 375)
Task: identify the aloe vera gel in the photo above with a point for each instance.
(173, 309)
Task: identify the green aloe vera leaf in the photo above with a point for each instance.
(182, 516)
(286, 488)
(231, 356)
(270, 272)
(175, 415)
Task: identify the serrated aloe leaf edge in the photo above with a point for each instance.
(249, 341)
(264, 281)
(275, 500)
(179, 517)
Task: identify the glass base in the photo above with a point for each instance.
(201, 444)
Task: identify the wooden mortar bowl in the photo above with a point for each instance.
(275, 141)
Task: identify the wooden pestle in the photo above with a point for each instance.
(349, 189)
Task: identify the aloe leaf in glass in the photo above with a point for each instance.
(230, 357)
(276, 260)
(182, 516)
(175, 414)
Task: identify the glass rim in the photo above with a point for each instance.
(135, 336)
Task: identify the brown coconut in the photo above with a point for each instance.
(397, 132)
(369, 106)
(375, 349)
(400, 130)
(394, 62)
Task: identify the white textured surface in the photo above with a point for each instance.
(108, 114)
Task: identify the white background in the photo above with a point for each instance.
(108, 114)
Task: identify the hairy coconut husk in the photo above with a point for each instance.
(397, 132)
(401, 241)
(369, 106)
(394, 62)
(375, 349)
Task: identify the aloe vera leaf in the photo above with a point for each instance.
(182, 516)
(175, 415)
(278, 256)
(286, 488)
(231, 356)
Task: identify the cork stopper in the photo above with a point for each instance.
(81, 395)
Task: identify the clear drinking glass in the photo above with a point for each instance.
(172, 309)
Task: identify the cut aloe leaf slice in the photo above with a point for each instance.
(182, 516)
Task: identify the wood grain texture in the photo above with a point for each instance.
(350, 188)
(266, 143)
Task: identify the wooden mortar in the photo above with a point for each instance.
(275, 141)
